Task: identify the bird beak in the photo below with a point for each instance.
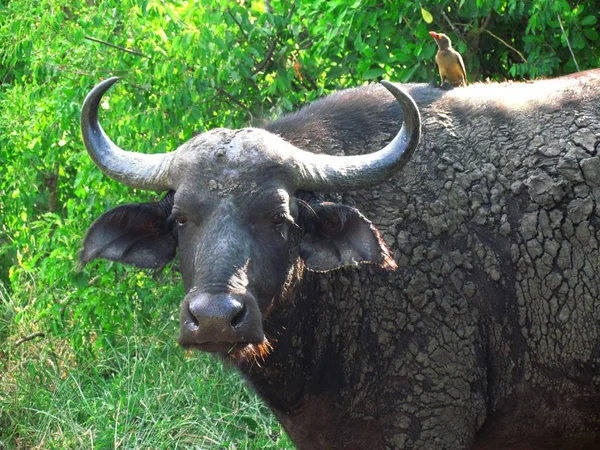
(434, 35)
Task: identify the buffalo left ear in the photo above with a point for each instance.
(337, 236)
(139, 234)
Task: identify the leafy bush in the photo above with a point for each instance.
(187, 68)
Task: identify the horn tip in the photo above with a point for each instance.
(399, 93)
(390, 86)
(108, 82)
(97, 92)
(103, 86)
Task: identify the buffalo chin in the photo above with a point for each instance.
(241, 351)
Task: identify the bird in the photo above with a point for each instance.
(450, 63)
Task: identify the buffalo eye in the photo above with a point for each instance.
(177, 219)
(278, 218)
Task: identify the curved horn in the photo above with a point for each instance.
(337, 173)
(136, 170)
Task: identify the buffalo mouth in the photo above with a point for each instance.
(239, 351)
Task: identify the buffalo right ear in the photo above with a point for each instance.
(138, 234)
(337, 235)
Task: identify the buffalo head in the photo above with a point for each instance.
(240, 207)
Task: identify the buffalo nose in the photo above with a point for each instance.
(220, 318)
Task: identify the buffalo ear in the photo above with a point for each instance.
(338, 235)
(138, 234)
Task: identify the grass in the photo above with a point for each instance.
(137, 392)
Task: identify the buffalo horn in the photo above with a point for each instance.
(136, 170)
(338, 173)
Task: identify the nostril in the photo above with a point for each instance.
(239, 318)
(192, 319)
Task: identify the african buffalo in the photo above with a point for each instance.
(486, 336)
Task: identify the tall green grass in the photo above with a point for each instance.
(137, 392)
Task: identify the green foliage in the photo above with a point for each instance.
(188, 67)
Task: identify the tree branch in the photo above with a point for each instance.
(507, 44)
(123, 49)
(568, 43)
(29, 338)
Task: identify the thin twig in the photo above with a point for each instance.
(29, 338)
(310, 81)
(123, 49)
(237, 23)
(507, 44)
(568, 43)
(459, 34)
(273, 45)
(267, 57)
(74, 71)
(485, 23)
(235, 100)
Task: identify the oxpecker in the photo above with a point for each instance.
(450, 63)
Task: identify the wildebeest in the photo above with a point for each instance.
(487, 333)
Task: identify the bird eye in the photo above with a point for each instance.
(278, 218)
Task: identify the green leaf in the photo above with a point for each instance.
(588, 20)
(427, 17)
(591, 34)
(373, 73)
